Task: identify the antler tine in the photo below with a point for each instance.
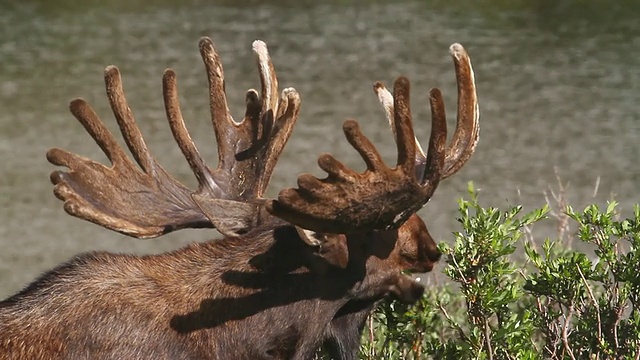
(288, 111)
(465, 137)
(387, 101)
(124, 117)
(408, 144)
(268, 80)
(220, 116)
(402, 125)
(182, 137)
(434, 166)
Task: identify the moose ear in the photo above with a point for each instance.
(331, 247)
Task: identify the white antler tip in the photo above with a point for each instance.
(384, 96)
(378, 86)
(290, 93)
(457, 51)
(260, 47)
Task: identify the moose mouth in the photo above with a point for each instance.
(408, 290)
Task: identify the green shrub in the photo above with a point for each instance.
(589, 308)
(551, 302)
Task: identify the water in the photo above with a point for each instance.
(558, 84)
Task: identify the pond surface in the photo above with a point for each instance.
(558, 83)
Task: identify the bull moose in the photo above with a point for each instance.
(287, 275)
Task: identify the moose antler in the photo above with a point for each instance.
(381, 197)
(145, 201)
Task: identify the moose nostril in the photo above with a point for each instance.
(438, 256)
(434, 255)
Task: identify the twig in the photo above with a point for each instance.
(417, 347)
(620, 308)
(595, 303)
(463, 278)
(595, 189)
(528, 236)
(487, 337)
(460, 331)
(565, 328)
(561, 203)
(551, 329)
(372, 350)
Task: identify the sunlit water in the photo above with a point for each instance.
(558, 84)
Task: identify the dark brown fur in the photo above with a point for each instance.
(266, 295)
(342, 337)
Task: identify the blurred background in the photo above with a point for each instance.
(558, 84)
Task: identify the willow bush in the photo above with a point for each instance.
(509, 295)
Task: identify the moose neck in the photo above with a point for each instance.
(232, 279)
(265, 276)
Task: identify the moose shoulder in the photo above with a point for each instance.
(287, 275)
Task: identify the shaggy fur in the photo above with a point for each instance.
(265, 295)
